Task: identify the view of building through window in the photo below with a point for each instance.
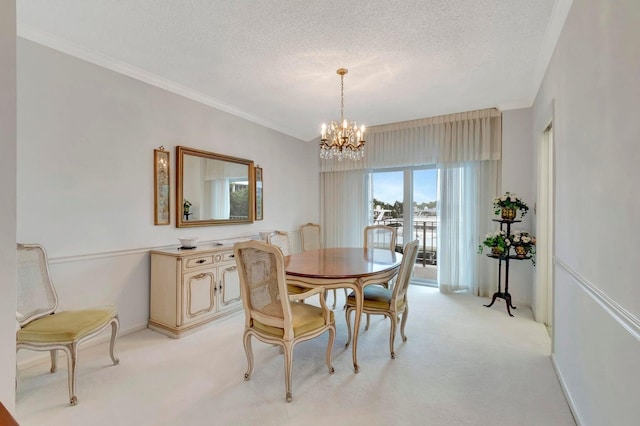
(413, 219)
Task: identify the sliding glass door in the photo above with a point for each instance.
(407, 199)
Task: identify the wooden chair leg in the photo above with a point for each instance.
(248, 350)
(288, 367)
(405, 314)
(115, 324)
(72, 358)
(54, 360)
(392, 335)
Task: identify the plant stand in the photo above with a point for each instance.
(504, 258)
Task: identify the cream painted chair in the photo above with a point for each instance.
(272, 315)
(281, 240)
(311, 239)
(383, 237)
(44, 329)
(388, 302)
(380, 236)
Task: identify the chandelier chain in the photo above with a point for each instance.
(341, 97)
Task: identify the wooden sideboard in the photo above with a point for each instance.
(190, 288)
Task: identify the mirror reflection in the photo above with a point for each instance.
(213, 189)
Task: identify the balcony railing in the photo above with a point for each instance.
(425, 230)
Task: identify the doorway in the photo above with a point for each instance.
(407, 199)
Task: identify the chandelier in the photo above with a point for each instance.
(342, 139)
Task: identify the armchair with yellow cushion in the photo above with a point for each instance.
(272, 315)
(44, 329)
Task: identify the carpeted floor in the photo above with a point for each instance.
(463, 364)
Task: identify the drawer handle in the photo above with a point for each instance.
(232, 256)
(199, 276)
(200, 261)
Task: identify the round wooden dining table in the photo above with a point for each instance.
(344, 267)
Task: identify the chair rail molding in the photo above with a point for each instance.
(623, 317)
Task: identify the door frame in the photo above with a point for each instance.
(543, 298)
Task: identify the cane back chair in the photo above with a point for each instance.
(281, 240)
(272, 315)
(44, 329)
(310, 238)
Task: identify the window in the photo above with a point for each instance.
(407, 199)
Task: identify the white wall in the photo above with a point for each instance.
(593, 83)
(85, 175)
(518, 176)
(8, 205)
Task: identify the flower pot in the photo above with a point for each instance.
(520, 251)
(496, 251)
(508, 213)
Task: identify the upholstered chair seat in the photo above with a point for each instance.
(65, 326)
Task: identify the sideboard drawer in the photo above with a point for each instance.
(197, 262)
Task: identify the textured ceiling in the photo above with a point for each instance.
(274, 61)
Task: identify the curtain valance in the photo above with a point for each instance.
(453, 138)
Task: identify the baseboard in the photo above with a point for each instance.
(565, 391)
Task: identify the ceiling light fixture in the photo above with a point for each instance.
(342, 139)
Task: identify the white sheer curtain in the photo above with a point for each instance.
(467, 147)
(219, 202)
(465, 195)
(343, 210)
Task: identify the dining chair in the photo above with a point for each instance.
(310, 236)
(311, 239)
(380, 236)
(44, 329)
(274, 316)
(281, 240)
(383, 237)
(391, 303)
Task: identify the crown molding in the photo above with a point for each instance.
(517, 104)
(552, 34)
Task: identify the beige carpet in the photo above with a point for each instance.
(463, 364)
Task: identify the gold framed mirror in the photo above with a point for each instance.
(213, 189)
